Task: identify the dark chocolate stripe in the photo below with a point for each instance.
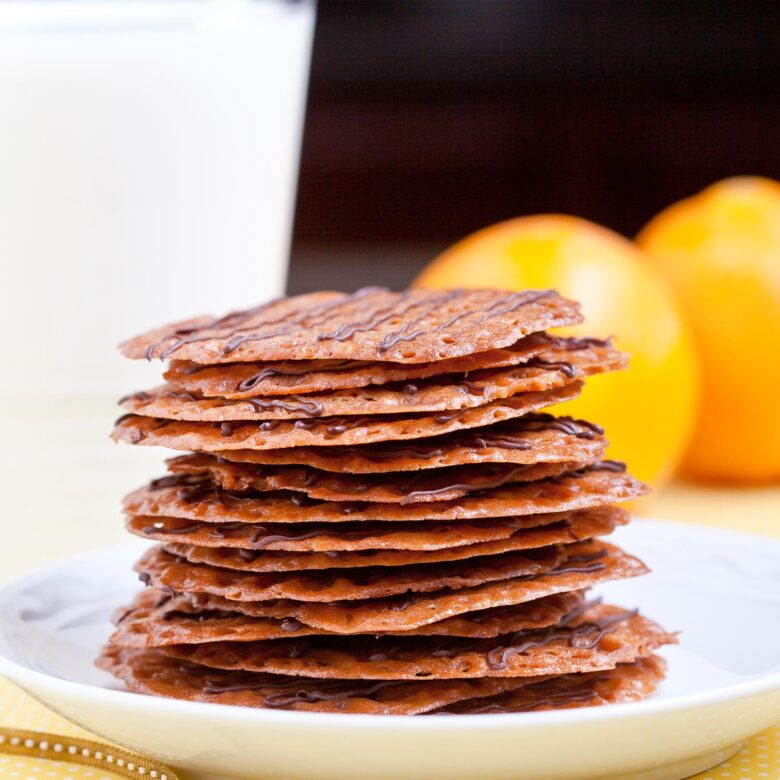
(585, 636)
(407, 332)
(326, 311)
(189, 335)
(509, 476)
(347, 331)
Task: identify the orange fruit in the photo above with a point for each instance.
(648, 410)
(720, 249)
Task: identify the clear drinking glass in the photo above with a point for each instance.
(148, 161)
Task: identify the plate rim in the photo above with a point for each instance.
(23, 676)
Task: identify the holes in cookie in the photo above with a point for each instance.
(609, 644)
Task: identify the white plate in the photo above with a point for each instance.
(721, 589)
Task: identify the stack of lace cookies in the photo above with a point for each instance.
(373, 514)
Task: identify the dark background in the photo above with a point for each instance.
(428, 119)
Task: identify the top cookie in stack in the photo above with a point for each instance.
(377, 463)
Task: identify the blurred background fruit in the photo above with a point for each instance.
(721, 251)
(649, 410)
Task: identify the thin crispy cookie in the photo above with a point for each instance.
(413, 326)
(579, 528)
(532, 438)
(170, 572)
(439, 485)
(601, 637)
(587, 564)
(156, 619)
(243, 380)
(436, 394)
(151, 672)
(598, 486)
(625, 683)
(315, 537)
(316, 431)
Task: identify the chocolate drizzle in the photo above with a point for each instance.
(487, 441)
(378, 455)
(585, 636)
(410, 331)
(288, 326)
(471, 387)
(334, 426)
(199, 617)
(346, 332)
(445, 417)
(611, 465)
(136, 434)
(293, 692)
(181, 395)
(139, 396)
(566, 368)
(581, 564)
(261, 538)
(191, 487)
(507, 476)
(501, 436)
(225, 530)
(271, 371)
(182, 336)
(541, 421)
(237, 336)
(179, 480)
(536, 696)
(576, 344)
(290, 403)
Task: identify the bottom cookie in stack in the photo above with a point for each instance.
(471, 632)
(150, 672)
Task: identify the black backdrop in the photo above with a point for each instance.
(428, 119)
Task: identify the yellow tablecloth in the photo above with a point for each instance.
(756, 511)
(20, 711)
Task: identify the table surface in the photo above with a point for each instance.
(63, 479)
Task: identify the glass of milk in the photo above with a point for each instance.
(148, 162)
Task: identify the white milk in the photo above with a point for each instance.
(148, 160)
